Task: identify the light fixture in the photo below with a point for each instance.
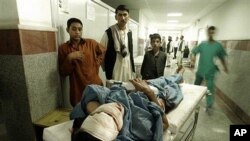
(172, 21)
(174, 14)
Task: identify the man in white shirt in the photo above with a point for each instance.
(176, 45)
(180, 50)
(119, 62)
(169, 49)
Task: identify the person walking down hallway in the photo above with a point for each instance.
(207, 70)
(80, 59)
(163, 44)
(181, 47)
(176, 45)
(119, 61)
(154, 61)
(148, 46)
(169, 49)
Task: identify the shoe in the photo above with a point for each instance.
(209, 111)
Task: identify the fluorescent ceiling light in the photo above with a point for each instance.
(172, 21)
(174, 14)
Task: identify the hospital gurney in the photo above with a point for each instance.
(177, 117)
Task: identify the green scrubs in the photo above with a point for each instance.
(206, 68)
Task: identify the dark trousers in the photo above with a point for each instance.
(175, 51)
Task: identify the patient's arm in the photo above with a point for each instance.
(91, 106)
(142, 86)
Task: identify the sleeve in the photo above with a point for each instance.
(171, 47)
(104, 40)
(183, 45)
(221, 53)
(196, 49)
(104, 43)
(143, 65)
(165, 60)
(100, 54)
(65, 65)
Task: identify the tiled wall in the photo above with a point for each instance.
(235, 85)
(15, 104)
(29, 83)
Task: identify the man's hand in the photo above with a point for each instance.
(193, 59)
(192, 64)
(77, 55)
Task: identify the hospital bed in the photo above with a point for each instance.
(178, 117)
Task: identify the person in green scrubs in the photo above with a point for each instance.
(208, 51)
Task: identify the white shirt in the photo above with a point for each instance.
(183, 45)
(176, 44)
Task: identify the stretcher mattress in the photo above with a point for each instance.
(192, 96)
(177, 117)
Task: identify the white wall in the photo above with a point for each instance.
(233, 23)
(231, 20)
(8, 14)
(30, 12)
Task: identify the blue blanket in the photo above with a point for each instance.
(142, 118)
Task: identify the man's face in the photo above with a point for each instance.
(75, 31)
(169, 38)
(182, 37)
(210, 34)
(122, 17)
(156, 44)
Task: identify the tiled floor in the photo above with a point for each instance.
(214, 127)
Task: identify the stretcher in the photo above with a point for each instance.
(178, 117)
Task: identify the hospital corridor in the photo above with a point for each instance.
(124, 70)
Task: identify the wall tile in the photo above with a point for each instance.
(14, 98)
(10, 42)
(34, 42)
(43, 83)
(244, 45)
(17, 42)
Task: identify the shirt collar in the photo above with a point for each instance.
(82, 41)
(155, 54)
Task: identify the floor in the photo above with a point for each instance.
(214, 127)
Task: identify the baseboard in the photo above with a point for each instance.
(233, 106)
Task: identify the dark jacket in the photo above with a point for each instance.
(153, 66)
(110, 56)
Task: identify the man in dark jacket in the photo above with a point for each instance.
(154, 61)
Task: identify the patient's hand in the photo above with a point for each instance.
(141, 85)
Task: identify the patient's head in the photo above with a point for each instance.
(102, 124)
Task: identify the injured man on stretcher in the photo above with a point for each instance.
(132, 111)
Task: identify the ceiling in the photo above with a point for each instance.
(156, 10)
